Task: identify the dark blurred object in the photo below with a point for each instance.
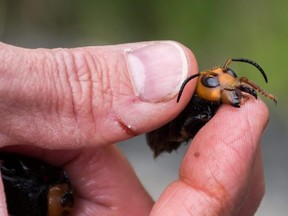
(35, 188)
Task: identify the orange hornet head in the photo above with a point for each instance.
(221, 84)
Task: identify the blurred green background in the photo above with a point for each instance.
(214, 30)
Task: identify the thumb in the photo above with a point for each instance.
(92, 95)
(152, 75)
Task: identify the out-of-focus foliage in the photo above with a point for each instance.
(214, 30)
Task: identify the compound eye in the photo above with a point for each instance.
(210, 81)
(67, 199)
(231, 72)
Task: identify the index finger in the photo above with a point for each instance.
(218, 167)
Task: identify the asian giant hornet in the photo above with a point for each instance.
(214, 87)
(35, 188)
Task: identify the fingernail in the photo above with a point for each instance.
(157, 70)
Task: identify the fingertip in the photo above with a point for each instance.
(252, 117)
(180, 198)
(221, 156)
(156, 76)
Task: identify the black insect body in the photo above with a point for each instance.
(34, 188)
(214, 87)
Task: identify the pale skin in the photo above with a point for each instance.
(69, 106)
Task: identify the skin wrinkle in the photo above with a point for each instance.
(122, 82)
(248, 181)
(248, 187)
(77, 80)
(223, 202)
(128, 129)
(104, 85)
(247, 136)
(51, 64)
(65, 105)
(57, 89)
(257, 184)
(115, 94)
(35, 79)
(241, 202)
(50, 89)
(99, 210)
(62, 73)
(81, 91)
(188, 208)
(85, 67)
(102, 94)
(236, 206)
(72, 76)
(62, 78)
(250, 134)
(93, 72)
(84, 74)
(97, 63)
(102, 89)
(234, 149)
(213, 173)
(101, 199)
(97, 195)
(224, 199)
(211, 199)
(200, 189)
(127, 97)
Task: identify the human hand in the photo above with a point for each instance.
(222, 171)
(67, 106)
